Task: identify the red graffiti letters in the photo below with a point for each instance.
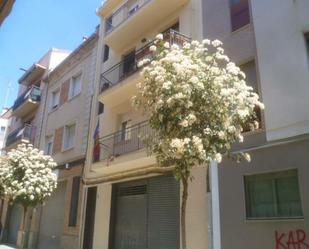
(292, 240)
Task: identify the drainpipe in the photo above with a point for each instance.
(214, 208)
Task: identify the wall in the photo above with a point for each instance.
(239, 233)
(283, 65)
(72, 110)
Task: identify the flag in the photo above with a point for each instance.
(96, 147)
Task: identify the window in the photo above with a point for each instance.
(125, 130)
(240, 15)
(133, 9)
(74, 201)
(48, 145)
(76, 85)
(273, 195)
(251, 78)
(129, 65)
(55, 99)
(108, 24)
(69, 136)
(105, 53)
(249, 69)
(2, 129)
(101, 108)
(307, 45)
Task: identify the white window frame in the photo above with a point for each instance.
(54, 106)
(71, 93)
(49, 140)
(65, 145)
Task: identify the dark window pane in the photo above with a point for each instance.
(288, 197)
(105, 53)
(74, 201)
(101, 108)
(240, 15)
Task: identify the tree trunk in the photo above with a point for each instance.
(22, 242)
(184, 181)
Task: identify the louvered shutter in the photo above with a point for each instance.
(163, 213)
(131, 216)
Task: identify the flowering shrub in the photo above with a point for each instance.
(26, 176)
(197, 100)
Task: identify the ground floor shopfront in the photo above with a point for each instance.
(144, 213)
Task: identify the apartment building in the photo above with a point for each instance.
(26, 123)
(131, 201)
(264, 204)
(65, 137)
(5, 119)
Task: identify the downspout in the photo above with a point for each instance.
(214, 208)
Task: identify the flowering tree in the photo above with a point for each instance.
(197, 102)
(26, 176)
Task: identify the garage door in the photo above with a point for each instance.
(51, 225)
(15, 219)
(145, 214)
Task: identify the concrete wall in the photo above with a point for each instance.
(283, 65)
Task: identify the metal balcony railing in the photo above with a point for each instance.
(34, 94)
(24, 133)
(128, 66)
(124, 12)
(124, 141)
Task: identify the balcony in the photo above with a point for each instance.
(125, 72)
(27, 102)
(124, 142)
(136, 17)
(24, 134)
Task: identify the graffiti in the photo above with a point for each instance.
(292, 240)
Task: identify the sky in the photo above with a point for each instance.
(35, 26)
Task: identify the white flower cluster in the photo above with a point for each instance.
(198, 102)
(26, 175)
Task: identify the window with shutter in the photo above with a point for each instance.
(76, 85)
(69, 136)
(54, 99)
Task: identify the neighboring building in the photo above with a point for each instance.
(5, 9)
(65, 136)
(26, 121)
(265, 204)
(5, 119)
(131, 201)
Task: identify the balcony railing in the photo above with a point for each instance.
(34, 94)
(124, 141)
(24, 133)
(128, 66)
(128, 9)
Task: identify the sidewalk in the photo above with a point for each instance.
(7, 247)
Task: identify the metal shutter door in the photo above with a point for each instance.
(163, 213)
(130, 225)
